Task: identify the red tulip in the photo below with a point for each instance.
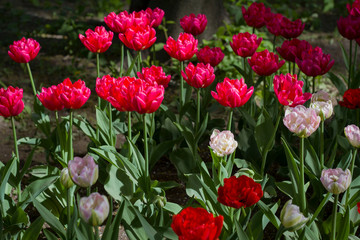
(274, 24)
(24, 50)
(197, 224)
(103, 86)
(50, 98)
(155, 74)
(358, 206)
(351, 99)
(239, 192)
(232, 93)
(148, 97)
(97, 41)
(122, 92)
(288, 90)
(138, 37)
(73, 95)
(245, 44)
(210, 55)
(11, 103)
(354, 8)
(155, 15)
(292, 49)
(349, 27)
(119, 23)
(199, 76)
(255, 15)
(265, 63)
(183, 48)
(314, 62)
(194, 24)
(291, 29)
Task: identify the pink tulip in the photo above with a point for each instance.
(194, 25)
(199, 76)
(103, 86)
(301, 120)
(222, 143)
(232, 92)
(84, 171)
(352, 133)
(210, 55)
(24, 50)
(255, 15)
(288, 90)
(336, 180)
(292, 49)
(183, 48)
(97, 41)
(138, 38)
(314, 62)
(94, 209)
(265, 63)
(322, 104)
(11, 103)
(148, 97)
(119, 23)
(155, 16)
(73, 95)
(50, 98)
(155, 74)
(122, 92)
(245, 44)
(291, 29)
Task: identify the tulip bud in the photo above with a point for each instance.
(336, 180)
(291, 217)
(94, 209)
(84, 171)
(322, 104)
(65, 178)
(160, 201)
(222, 143)
(352, 133)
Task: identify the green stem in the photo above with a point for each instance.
(198, 110)
(351, 171)
(164, 28)
(139, 61)
(121, 60)
(181, 85)
(333, 232)
(68, 208)
(98, 64)
(319, 208)
(350, 59)
(313, 85)
(129, 125)
(293, 72)
(18, 188)
(322, 144)
(59, 135)
(154, 54)
(230, 119)
(355, 59)
(146, 150)
(302, 180)
(112, 143)
(274, 41)
(71, 150)
(96, 232)
(31, 79)
(264, 89)
(99, 99)
(88, 191)
(289, 67)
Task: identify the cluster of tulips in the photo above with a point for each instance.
(144, 95)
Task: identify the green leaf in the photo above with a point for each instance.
(49, 218)
(159, 150)
(202, 128)
(34, 230)
(118, 183)
(188, 135)
(86, 128)
(291, 161)
(26, 166)
(311, 159)
(343, 226)
(269, 213)
(240, 232)
(103, 125)
(263, 131)
(4, 180)
(339, 83)
(49, 235)
(183, 160)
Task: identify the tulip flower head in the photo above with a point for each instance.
(24, 50)
(94, 209)
(274, 24)
(97, 41)
(84, 171)
(103, 86)
(73, 95)
(138, 38)
(336, 180)
(265, 63)
(155, 16)
(199, 76)
(358, 206)
(239, 192)
(222, 143)
(349, 27)
(197, 224)
(194, 25)
(292, 49)
(255, 15)
(291, 29)
(288, 90)
(148, 97)
(50, 98)
(354, 8)
(301, 120)
(245, 44)
(352, 133)
(65, 178)
(314, 62)
(122, 92)
(11, 103)
(351, 99)
(232, 93)
(183, 48)
(119, 23)
(213, 56)
(291, 217)
(155, 74)
(321, 102)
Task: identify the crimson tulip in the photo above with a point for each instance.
(138, 37)
(292, 49)
(314, 62)
(194, 24)
(122, 92)
(265, 63)
(274, 24)
(349, 27)
(232, 93)
(199, 76)
(183, 48)
(155, 74)
(155, 15)
(11, 103)
(97, 41)
(354, 8)
(213, 56)
(245, 44)
(291, 29)
(351, 99)
(255, 15)
(119, 23)
(73, 95)
(50, 98)
(24, 50)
